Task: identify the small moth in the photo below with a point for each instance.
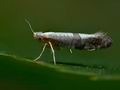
(70, 40)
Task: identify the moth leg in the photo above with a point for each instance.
(53, 52)
(71, 51)
(41, 52)
(91, 49)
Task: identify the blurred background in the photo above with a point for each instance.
(83, 16)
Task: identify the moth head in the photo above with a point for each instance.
(38, 35)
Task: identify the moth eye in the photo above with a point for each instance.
(40, 39)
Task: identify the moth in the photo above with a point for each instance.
(71, 40)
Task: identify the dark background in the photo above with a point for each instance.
(59, 15)
(83, 16)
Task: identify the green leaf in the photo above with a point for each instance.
(21, 73)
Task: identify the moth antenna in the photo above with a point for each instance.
(29, 25)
